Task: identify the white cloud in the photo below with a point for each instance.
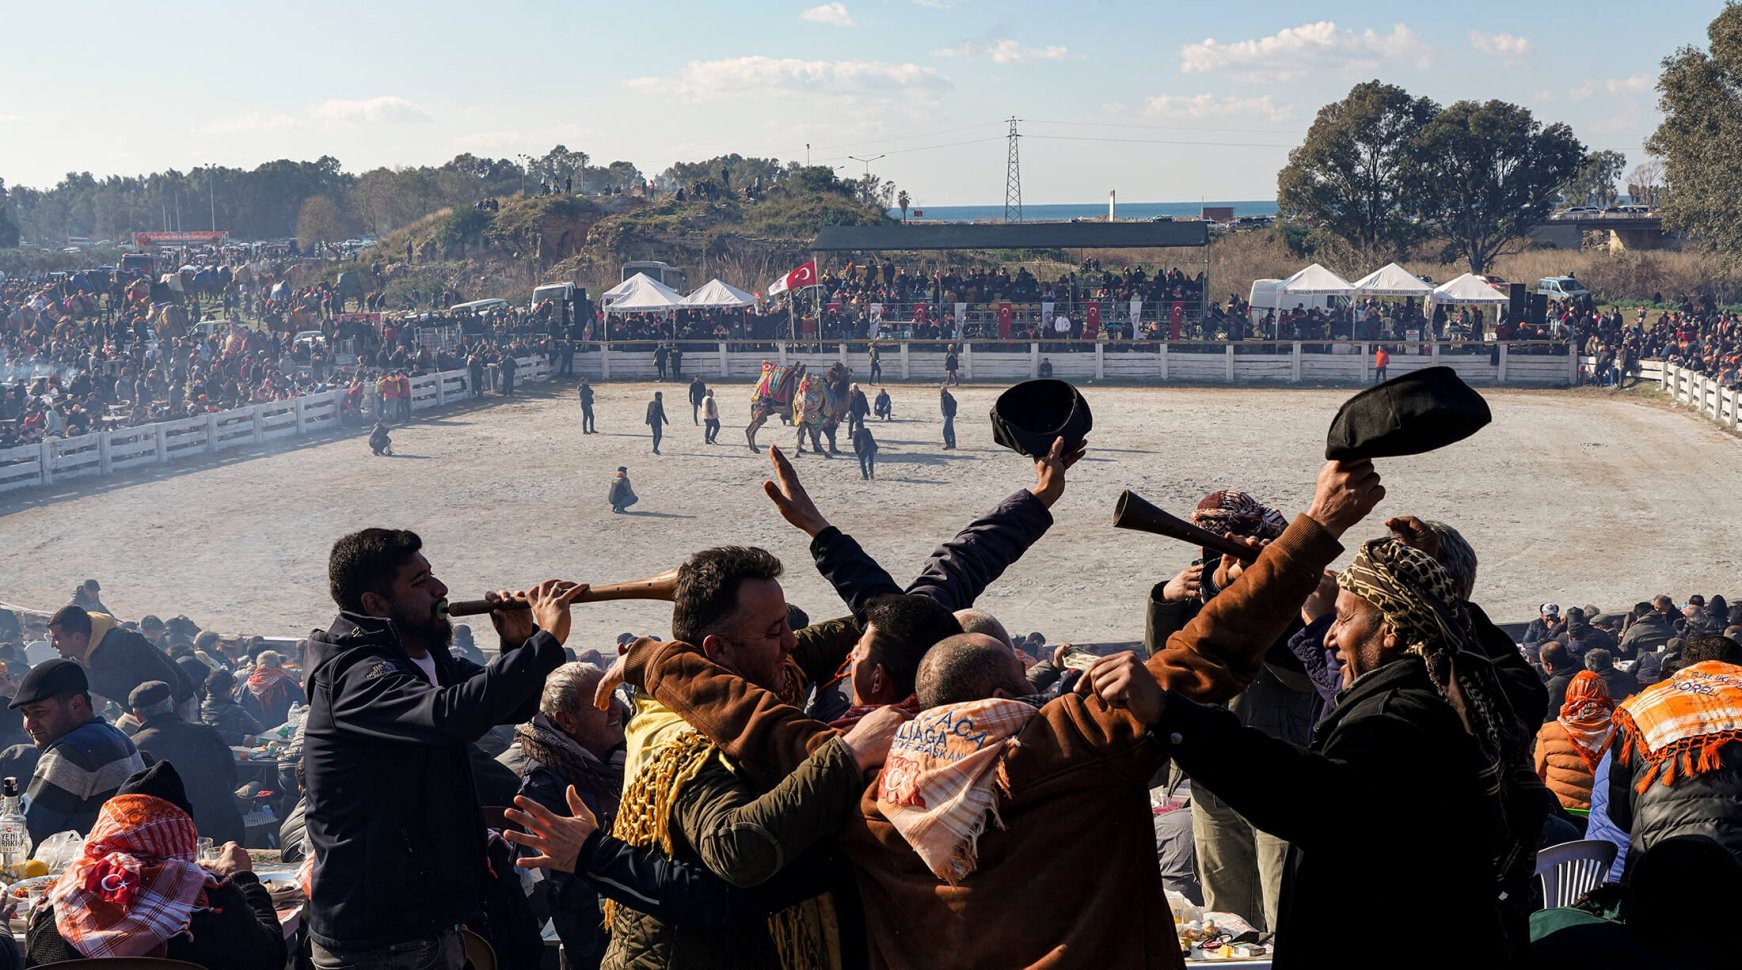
(1005, 51)
(251, 123)
(1500, 45)
(1210, 106)
(1636, 84)
(384, 110)
(833, 14)
(759, 76)
(1295, 52)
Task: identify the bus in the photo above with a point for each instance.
(664, 272)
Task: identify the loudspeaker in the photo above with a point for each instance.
(583, 313)
(1538, 309)
(1515, 302)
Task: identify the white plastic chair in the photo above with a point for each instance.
(1572, 869)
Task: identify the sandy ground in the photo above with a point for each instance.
(1574, 498)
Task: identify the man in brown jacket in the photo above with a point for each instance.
(1072, 791)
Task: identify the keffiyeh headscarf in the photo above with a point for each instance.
(137, 884)
(1586, 716)
(1239, 513)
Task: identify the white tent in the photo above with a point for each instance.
(1468, 288)
(639, 294)
(719, 294)
(1315, 279)
(1392, 280)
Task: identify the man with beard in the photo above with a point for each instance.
(394, 823)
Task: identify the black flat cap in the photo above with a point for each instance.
(1030, 415)
(147, 694)
(48, 679)
(1408, 415)
(159, 781)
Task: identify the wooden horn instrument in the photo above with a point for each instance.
(658, 587)
(1133, 512)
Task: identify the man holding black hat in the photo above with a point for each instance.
(199, 754)
(84, 758)
(392, 815)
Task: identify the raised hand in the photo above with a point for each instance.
(1415, 534)
(790, 498)
(1049, 471)
(1346, 492)
(550, 601)
(1122, 681)
(556, 839)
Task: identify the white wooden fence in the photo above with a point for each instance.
(1712, 400)
(1251, 362)
(107, 452)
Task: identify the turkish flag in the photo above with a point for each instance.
(798, 279)
(919, 312)
(1092, 322)
(1005, 315)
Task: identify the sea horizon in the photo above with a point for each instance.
(1061, 211)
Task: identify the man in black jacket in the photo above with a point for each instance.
(199, 755)
(698, 390)
(393, 820)
(118, 659)
(656, 418)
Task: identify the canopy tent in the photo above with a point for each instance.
(718, 294)
(1392, 280)
(1468, 288)
(1316, 279)
(639, 294)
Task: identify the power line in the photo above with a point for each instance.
(920, 148)
(897, 138)
(1164, 141)
(1112, 124)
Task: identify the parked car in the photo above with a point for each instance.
(1578, 212)
(310, 338)
(1497, 282)
(1562, 288)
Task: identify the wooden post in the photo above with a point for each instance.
(905, 372)
(1033, 358)
(1163, 358)
(1500, 374)
(1294, 364)
(162, 441)
(46, 461)
(211, 431)
(1228, 359)
(1100, 362)
(968, 360)
(725, 362)
(103, 452)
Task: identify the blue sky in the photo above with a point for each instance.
(1159, 101)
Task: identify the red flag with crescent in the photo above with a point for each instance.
(798, 279)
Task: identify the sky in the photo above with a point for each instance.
(1159, 101)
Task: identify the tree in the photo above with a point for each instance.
(1700, 95)
(1645, 182)
(1348, 177)
(902, 200)
(319, 221)
(8, 227)
(1484, 174)
(1594, 182)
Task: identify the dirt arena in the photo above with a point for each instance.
(1570, 497)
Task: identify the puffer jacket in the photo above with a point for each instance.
(1559, 766)
(1696, 804)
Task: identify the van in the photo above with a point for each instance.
(1561, 288)
(480, 306)
(557, 293)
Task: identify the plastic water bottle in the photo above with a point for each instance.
(15, 844)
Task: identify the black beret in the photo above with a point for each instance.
(1408, 415)
(147, 694)
(1028, 416)
(50, 679)
(159, 781)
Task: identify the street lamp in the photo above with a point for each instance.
(867, 162)
(212, 190)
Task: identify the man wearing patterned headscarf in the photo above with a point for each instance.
(1239, 867)
(1411, 772)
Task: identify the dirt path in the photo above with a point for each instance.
(1569, 498)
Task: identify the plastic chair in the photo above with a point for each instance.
(121, 963)
(479, 953)
(1572, 869)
